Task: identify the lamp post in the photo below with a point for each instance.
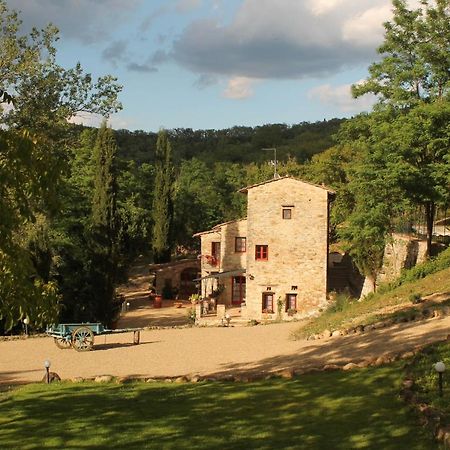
(26, 321)
(439, 367)
(47, 365)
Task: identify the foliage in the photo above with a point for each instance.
(426, 378)
(237, 145)
(340, 302)
(272, 414)
(409, 131)
(414, 56)
(104, 224)
(162, 211)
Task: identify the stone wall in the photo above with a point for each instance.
(402, 252)
(298, 247)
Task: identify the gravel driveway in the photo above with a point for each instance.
(208, 351)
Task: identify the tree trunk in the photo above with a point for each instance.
(430, 211)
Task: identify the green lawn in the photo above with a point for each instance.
(339, 410)
(426, 377)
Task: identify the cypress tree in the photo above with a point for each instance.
(162, 212)
(104, 224)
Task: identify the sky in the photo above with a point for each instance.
(212, 64)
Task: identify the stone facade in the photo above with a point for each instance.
(297, 247)
(175, 278)
(276, 259)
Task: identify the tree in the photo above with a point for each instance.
(104, 223)
(409, 126)
(162, 213)
(33, 140)
(414, 56)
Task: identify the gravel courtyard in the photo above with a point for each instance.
(208, 351)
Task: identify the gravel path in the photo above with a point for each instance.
(209, 351)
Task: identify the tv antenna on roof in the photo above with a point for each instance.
(274, 162)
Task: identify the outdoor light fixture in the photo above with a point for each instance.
(128, 306)
(439, 367)
(47, 365)
(228, 319)
(26, 321)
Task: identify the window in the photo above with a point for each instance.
(261, 252)
(240, 244)
(267, 302)
(238, 291)
(291, 302)
(215, 253)
(287, 213)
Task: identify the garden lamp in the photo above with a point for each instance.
(47, 365)
(26, 321)
(439, 367)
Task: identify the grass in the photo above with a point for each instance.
(426, 378)
(367, 311)
(330, 410)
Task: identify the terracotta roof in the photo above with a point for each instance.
(246, 189)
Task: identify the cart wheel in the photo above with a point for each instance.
(62, 343)
(82, 339)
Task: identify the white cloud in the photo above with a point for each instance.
(319, 7)
(366, 28)
(239, 88)
(280, 39)
(340, 97)
(94, 120)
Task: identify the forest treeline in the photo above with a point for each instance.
(78, 204)
(237, 144)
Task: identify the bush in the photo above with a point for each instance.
(415, 298)
(341, 302)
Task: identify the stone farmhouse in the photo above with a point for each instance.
(274, 263)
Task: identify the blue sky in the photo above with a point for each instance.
(219, 63)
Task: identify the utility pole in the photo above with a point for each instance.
(274, 150)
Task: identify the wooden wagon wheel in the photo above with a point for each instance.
(62, 343)
(82, 339)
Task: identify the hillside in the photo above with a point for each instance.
(237, 144)
(420, 291)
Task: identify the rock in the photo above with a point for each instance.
(123, 380)
(168, 380)
(365, 363)
(287, 373)
(381, 360)
(195, 379)
(369, 328)
(350, 366)
(438, 313)
(103, 379)
(330, 367)
(180, 380)
(150, 380)
(335, 333)
(226, 378)
(407, 355)
(359, 329)
(326, 333)
(77, 380)
(52, 377)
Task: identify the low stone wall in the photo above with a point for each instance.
(424, 314)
